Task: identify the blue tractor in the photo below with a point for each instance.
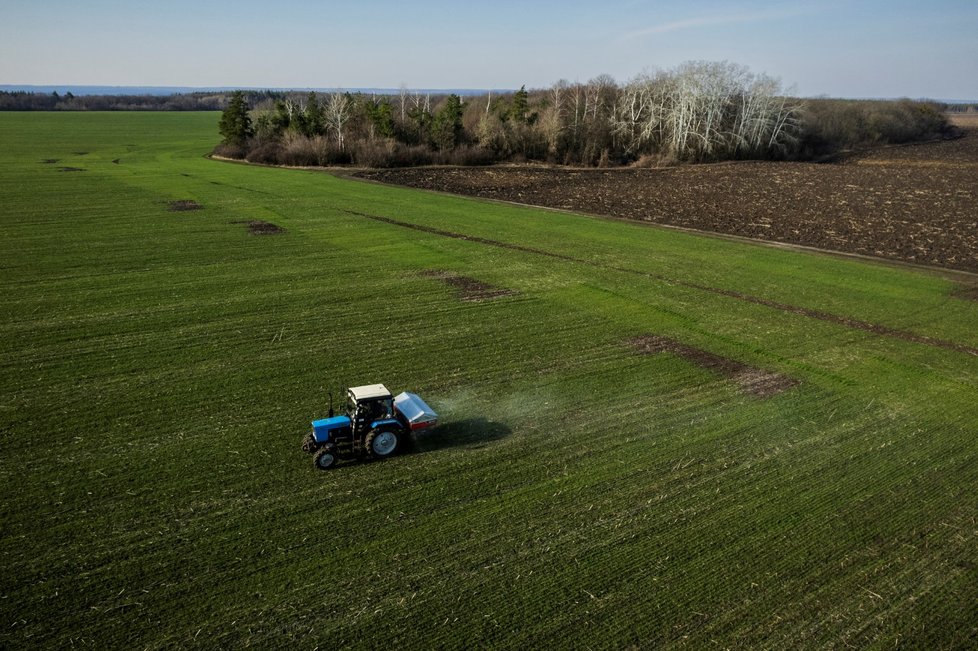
(376, 425)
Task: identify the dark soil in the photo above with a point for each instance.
(967, 292)
(916, 203)
(80, 153)
(258, 227)
(71, 169)
(848, 322)
(50, 161)
(183, 205)
(116, 160)
(469, 289)
(752, 381)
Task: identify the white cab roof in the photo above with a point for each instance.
(369, 391)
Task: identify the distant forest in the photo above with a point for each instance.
(30, 101)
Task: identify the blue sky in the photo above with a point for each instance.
(870, 48)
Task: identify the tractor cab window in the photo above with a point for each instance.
(370, 409)
(378, 409)
(385, 409)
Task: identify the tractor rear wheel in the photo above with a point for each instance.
(382, 443)
(325, 457)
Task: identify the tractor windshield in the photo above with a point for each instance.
(377, 409)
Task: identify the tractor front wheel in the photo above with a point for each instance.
(309, 443)
(382, 443)
(325, 457)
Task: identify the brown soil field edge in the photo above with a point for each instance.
(912, 203)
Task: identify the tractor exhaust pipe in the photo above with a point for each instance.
(330, 404)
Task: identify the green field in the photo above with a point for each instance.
(160, 368)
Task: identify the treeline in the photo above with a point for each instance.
(700, 111)
(960, 108)
(831, 126)
(27, 101)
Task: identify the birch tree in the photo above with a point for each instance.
(554, 119)
(704, 111)
(337, 114)
(403, 96)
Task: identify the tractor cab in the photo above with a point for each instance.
(369, 405)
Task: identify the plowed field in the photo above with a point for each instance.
(914, 203)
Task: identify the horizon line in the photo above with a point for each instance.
(179, 90)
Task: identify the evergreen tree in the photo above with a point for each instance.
(282, 119)
(314, 123)
(382, 116)
(265, 129)
(446, 132)
(235, 125)
(521, 105)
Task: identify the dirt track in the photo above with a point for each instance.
(914, 203)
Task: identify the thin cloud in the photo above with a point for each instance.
(704, 21)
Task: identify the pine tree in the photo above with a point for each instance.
(421, 120)
(235, 125)
(446, 131)
(382, 116)
(521, 105)
(282, 118)
(314, 123)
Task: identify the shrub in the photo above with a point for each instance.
(298, 151)
(411, 155)
(236, 152)
(832, 126)
(374, 153)
(389, 153)
(328, 152)
(268, 153)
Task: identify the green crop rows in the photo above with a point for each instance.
(159, 369)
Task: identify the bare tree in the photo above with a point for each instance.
(337, 114)
(704, 111)
(291, 108)
(576, 99)
(403, 92)
(554, 119)
(632, 116)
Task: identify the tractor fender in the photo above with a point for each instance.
(385, 422)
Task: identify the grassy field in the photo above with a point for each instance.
(159, 369)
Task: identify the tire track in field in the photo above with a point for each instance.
(855, 324)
